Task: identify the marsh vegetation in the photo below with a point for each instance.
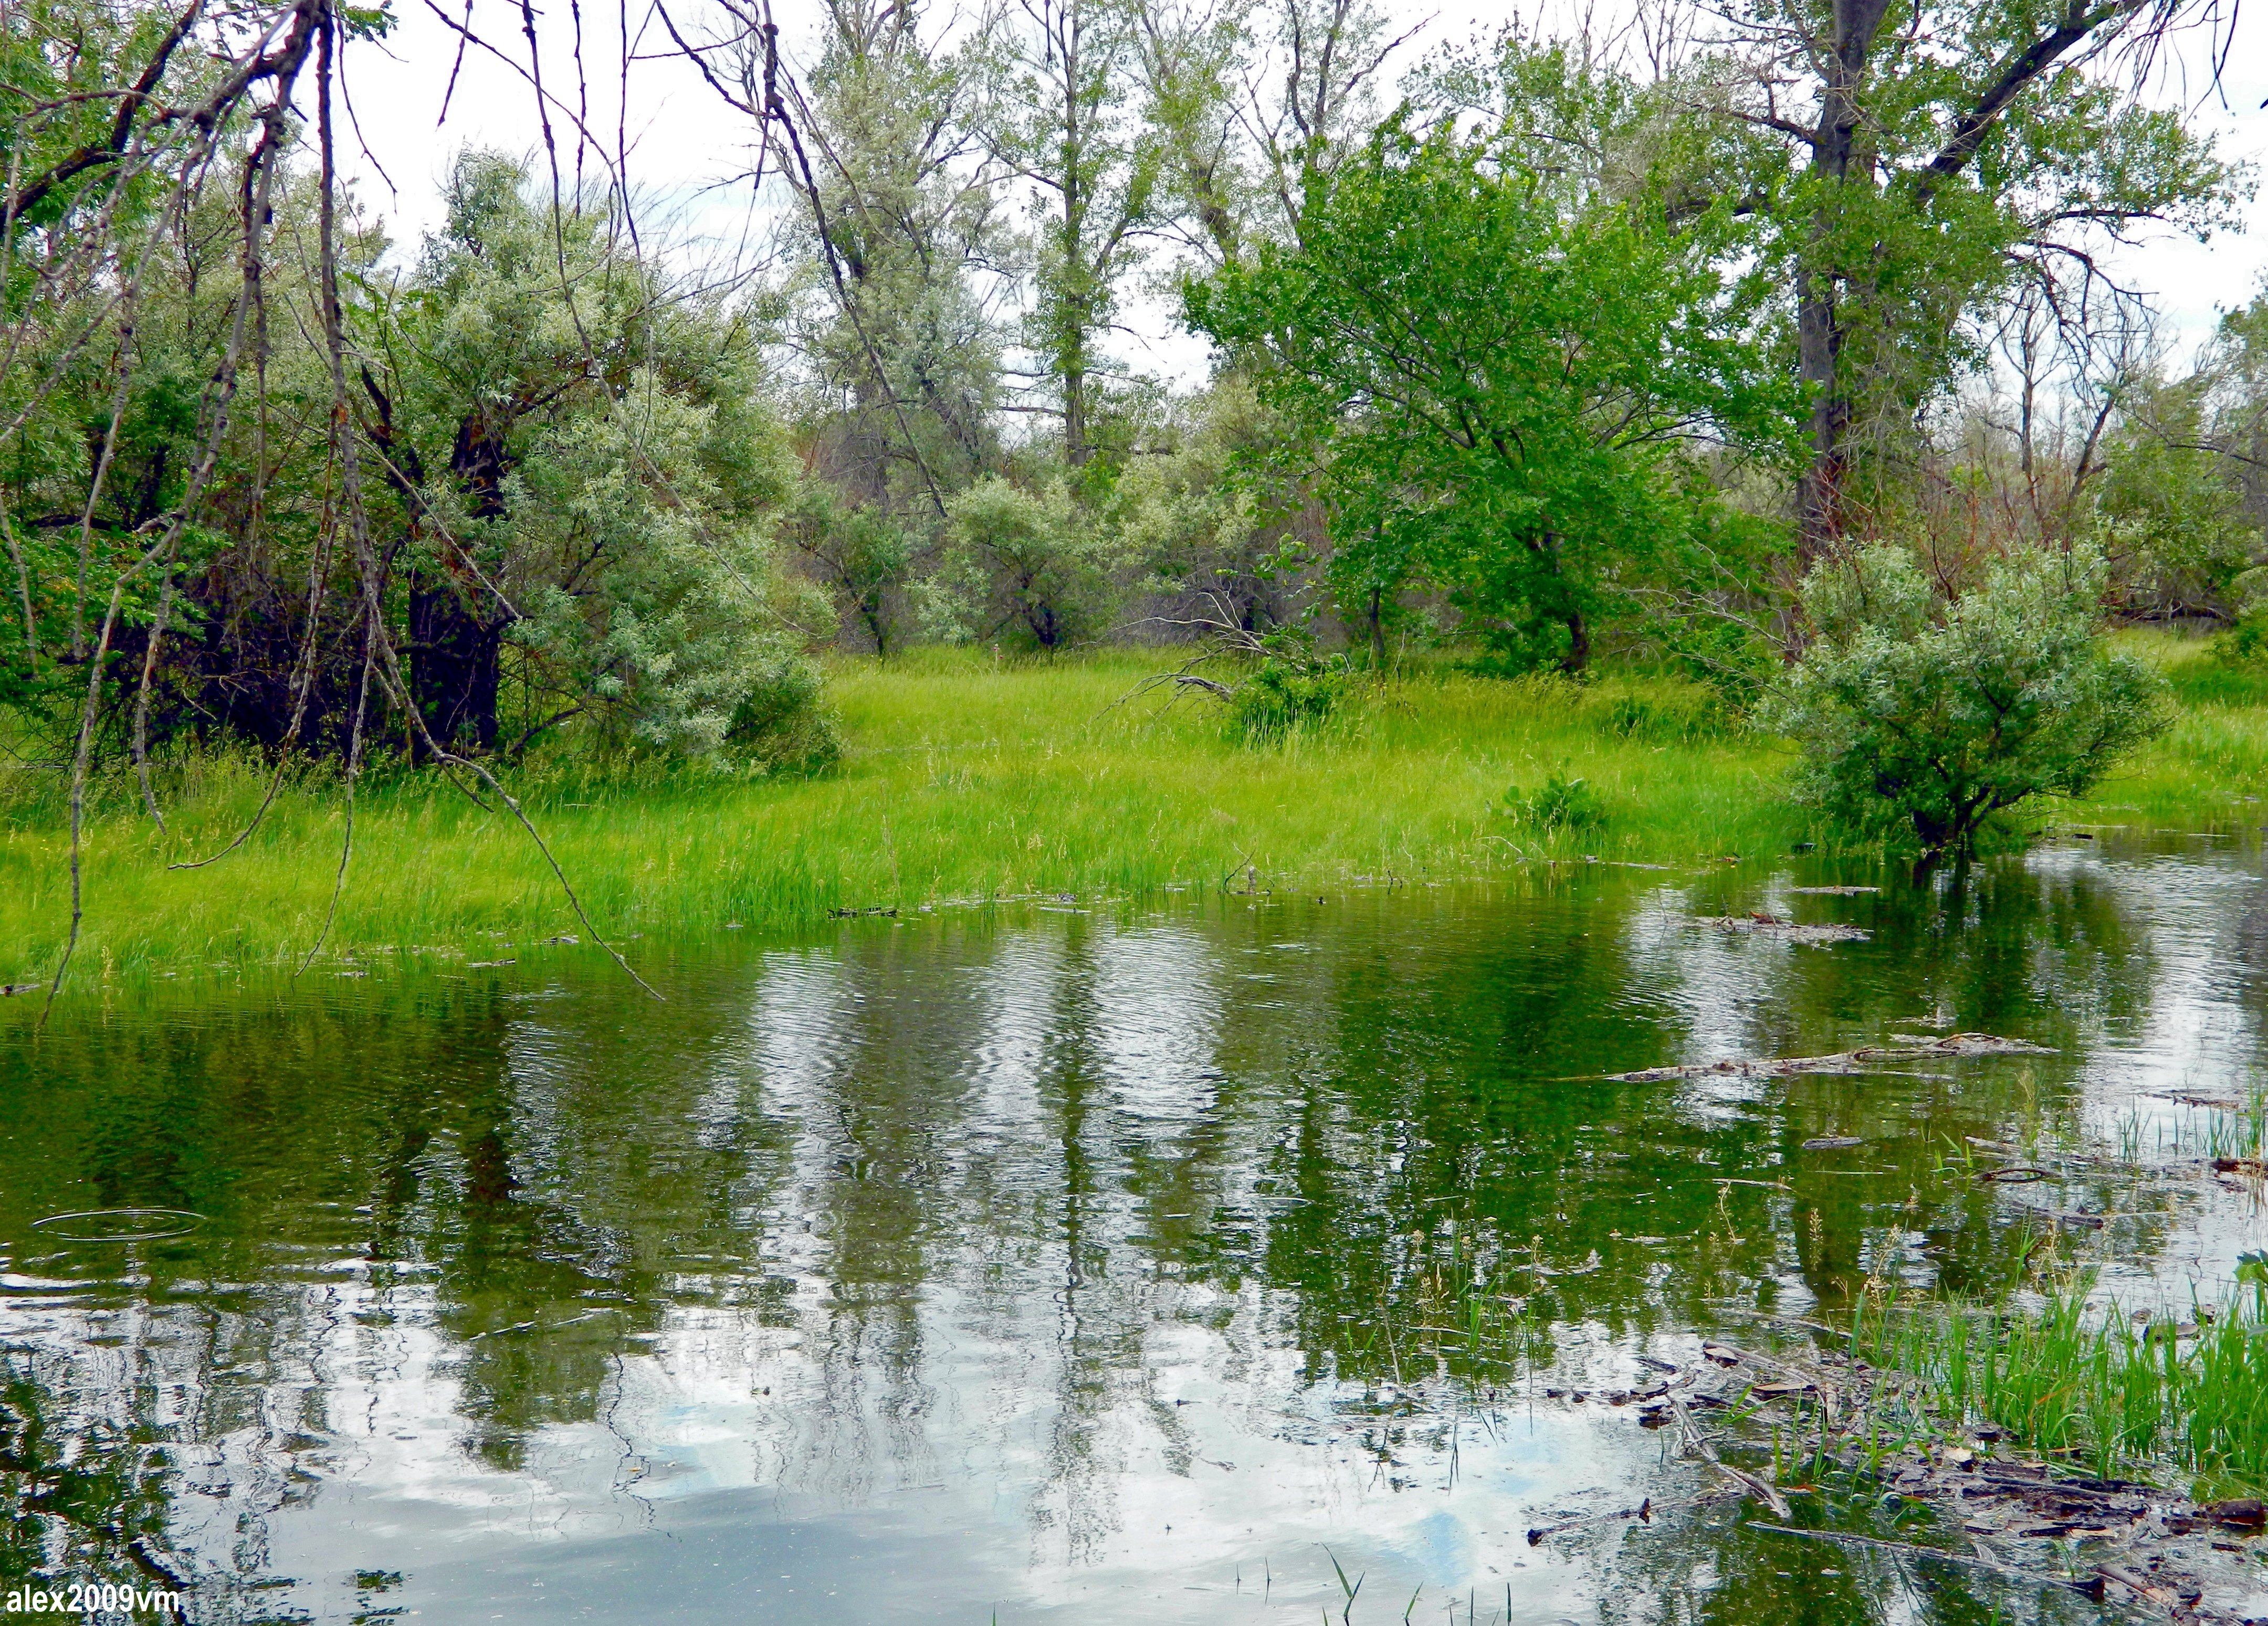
(650, 889)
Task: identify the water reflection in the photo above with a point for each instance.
(1104, 1265)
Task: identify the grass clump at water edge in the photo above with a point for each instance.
(2072, 1377)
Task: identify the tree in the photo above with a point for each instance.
(1246, 101)
(1934, 713)
(1032, 565)
(1189, 53)
(1901, 167)
(1497, 374)
(586, 483)
(1198, 522)
(2182, 505)
(890, 308)
(1067, 122)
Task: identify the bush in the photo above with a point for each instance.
(781, 725)
(2247, 640)
(1034, 567)
(1920, 712)
(1282, 694)
(1559, 803)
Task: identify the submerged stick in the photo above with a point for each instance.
(1691, 1437)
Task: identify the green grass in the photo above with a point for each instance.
(965, 779)
(2076, 1379)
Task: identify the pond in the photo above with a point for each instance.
(1194, 1260)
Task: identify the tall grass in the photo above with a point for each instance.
(964, 778)
(2074, 1377)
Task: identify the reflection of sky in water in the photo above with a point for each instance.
(985, 1284)
(1712, 982)
(2196, 1033)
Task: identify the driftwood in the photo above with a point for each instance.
(1761, 924)
(1903, 1048)
(2156, 1544)
(1693, 1440)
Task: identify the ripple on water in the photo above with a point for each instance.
(1107, 1267)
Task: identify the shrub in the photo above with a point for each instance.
(1037, 567)
(1920, 711)
(1559, 803)
(780, 724)
(2246, 639)
(1284, 694)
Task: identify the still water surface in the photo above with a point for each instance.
(1063, 1262)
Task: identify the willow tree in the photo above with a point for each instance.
(893, 307)
(187, 407)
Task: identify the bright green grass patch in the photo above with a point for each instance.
(2072, 1378)
(963, 779)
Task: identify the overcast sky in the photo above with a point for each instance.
(687, 147)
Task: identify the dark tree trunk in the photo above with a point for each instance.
(456, 623)
(873, 611)
(1578, 644)
(1819, 519)
(456, 670)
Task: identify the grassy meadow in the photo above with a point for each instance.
(965, 778)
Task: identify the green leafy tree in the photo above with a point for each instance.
(1498, 377)
(2170, 517)
(1933, 714)
(1902, 168)
(587, 484)
(1035, 567)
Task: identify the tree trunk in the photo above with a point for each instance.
(1819, 492)
(1578, 644)
(1819, 516)
(1074, 388)
(456, 669)
(871, 610)
(456, 623)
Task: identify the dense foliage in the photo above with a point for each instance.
(1936, 713)
(1500, 381)
(1573, 352)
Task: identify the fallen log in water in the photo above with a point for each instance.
(1761, 924)
(1903, 1048)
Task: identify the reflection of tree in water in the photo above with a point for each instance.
(1119, 1147)
(1700, 1566)
(1040, 1166)
(78, 1486)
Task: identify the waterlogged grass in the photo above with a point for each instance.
(966, 778)
(2074, 1377)
(2070, 1374)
